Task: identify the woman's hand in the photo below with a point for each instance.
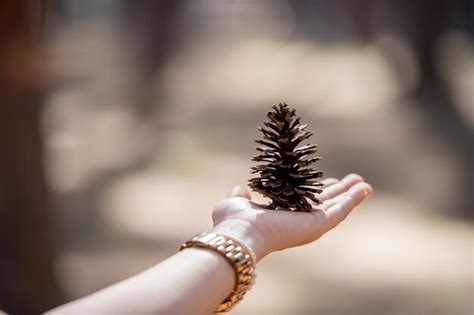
(268, 230)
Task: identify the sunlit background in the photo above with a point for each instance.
(123, 122)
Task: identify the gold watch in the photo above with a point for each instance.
(238, 254)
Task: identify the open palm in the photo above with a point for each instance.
(276, 230)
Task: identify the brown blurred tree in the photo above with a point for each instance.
(27, 284)
(154, 23)
(432, 19)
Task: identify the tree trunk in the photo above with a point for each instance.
(27, 284)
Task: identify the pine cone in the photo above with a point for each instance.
(286, 176)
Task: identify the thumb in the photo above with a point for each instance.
(238, 191)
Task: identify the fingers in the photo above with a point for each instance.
(344, 205)
(339, 187)
(330, 202)
(238, 191)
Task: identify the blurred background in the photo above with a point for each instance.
(123, 122)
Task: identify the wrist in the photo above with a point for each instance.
(244, 231)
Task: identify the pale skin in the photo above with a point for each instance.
(194, 280)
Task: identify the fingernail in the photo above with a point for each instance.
(233, 191)
(365, 188)
(236, 190)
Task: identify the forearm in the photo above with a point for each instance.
(192, 281)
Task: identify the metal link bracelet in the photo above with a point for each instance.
(240, 256)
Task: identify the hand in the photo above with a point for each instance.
(269, 230)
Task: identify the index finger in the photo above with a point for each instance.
(347, 203)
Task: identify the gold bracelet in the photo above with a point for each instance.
(238, 254)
